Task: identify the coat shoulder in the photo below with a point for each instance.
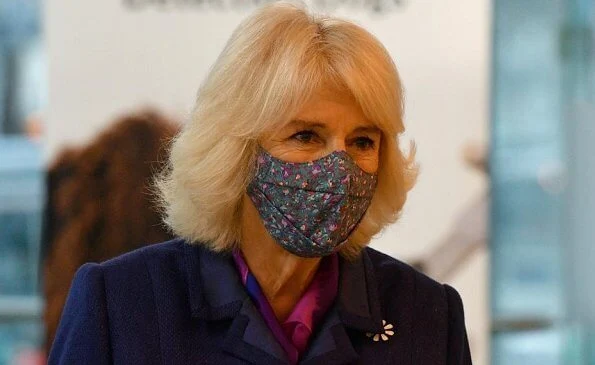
(159, 251)
(403, 289)
(391, 272)
(135, 274)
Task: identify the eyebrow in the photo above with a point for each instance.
(319, 124)
(308, 123)
(368, 129)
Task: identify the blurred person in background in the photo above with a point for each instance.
(287, 168)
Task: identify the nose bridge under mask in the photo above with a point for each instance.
(347, 155)
(336, 173)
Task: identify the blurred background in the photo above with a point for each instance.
(500, 99)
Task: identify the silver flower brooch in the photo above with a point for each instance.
(388, 331)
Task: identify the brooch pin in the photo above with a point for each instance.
(388, 331)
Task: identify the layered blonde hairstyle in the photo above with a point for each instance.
(271, 66)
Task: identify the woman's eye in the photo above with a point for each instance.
(305, 136)
(364, 143)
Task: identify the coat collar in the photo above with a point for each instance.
(248, 337)
(358, 300)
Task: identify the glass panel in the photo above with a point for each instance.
(20, 214)
(18, 341)
(22, 97)
(542, 347)
(578, 46)
(526, 160)
(542, 166)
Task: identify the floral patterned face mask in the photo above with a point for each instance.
(311, 208)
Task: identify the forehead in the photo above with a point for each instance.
(330, 107)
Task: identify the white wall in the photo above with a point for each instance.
(105, 60)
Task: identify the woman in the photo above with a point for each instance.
(288, 166)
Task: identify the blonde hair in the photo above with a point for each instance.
(272, 64)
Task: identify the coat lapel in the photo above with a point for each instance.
(358, 300)
(357, 308)
(331, 344)
(248, 337)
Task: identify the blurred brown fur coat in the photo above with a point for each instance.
(99, 203)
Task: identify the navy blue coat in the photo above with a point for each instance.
(173, 303)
